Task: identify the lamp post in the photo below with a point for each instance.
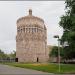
(57, 36)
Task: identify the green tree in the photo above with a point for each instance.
(12, 54)
(68, 24)
(54, 52)
(2, 54)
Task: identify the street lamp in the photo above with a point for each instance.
(57, 36)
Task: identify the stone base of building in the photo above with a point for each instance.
(33, 59)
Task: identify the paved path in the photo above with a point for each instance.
(9, 70)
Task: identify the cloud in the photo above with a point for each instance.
(10, 11)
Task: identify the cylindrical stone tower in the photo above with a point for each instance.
(31, 39)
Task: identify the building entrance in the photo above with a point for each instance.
(37, 59)
(16, 59)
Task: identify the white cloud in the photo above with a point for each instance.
(10, 11)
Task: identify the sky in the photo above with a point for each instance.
(10, 11)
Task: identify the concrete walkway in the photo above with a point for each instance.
(9, 70)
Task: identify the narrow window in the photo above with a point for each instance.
(24, 29)
(29, 30)
(37, 59)
(18, 29)
(32, 30)
(21, 30)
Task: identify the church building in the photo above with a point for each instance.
(31, 39)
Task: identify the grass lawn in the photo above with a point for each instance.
(46, 67)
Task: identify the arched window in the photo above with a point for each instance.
(29, 30)
(18, 30)
(32, 30)
(21, 30)
(36, 29)
(24, 29)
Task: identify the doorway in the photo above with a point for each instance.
(37, 59)
(16, 59)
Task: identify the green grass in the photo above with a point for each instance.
(50, 67)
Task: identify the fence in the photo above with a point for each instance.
(7, 59)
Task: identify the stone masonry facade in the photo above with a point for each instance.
(31, 39)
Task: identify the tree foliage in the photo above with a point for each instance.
(5, 56)
(54, 52)
(2, 54)
(68, 24)
(12, 55)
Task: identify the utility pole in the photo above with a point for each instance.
(57, 36)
